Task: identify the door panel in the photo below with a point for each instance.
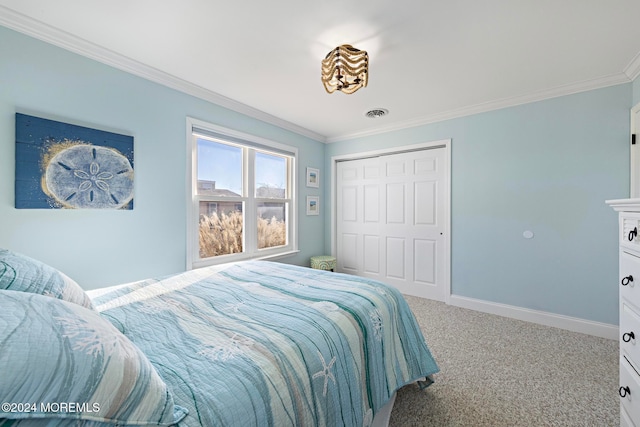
(396, 203)
(424, 261)
(396, 258)
(371, 203)
(348, 207)
(349, 253)
(371, 254)
(425, 202)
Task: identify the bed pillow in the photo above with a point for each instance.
(69, 363)
(21, 273)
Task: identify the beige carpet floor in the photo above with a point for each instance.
(496, 372)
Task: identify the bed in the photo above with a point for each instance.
(253, 343)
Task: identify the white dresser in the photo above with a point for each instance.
(629, 285)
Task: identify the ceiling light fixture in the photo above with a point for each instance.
(346, 69)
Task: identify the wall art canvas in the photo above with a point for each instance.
(64, 166)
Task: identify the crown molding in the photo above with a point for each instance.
(633, 69)
(39, 30)
(612, 80)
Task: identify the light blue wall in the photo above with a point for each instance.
(99, 248)
(636, 91)
(547, 167)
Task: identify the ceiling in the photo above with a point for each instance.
(430, 60)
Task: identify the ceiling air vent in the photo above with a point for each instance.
(376, 113)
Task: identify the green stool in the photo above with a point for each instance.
(323, 262)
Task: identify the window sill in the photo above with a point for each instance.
(224, 259)
(278, 256)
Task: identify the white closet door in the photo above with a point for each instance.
(391, 220)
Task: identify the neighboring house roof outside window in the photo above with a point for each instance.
(208, 188)
(270, 193)
(226, 193)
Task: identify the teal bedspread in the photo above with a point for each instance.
(260, 343)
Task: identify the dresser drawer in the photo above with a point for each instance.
(629, 390)
(630, 332)
(625, 420)
(629, 281)
(630, 231)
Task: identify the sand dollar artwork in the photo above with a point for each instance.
(86, 176)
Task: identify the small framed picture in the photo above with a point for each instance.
(313, 177)
(313, 205)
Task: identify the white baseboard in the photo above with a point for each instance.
(603, 330)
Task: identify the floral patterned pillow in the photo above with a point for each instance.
(62, 362)
(21, 273)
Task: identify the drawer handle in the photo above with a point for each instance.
(633, 233)
(628, 337)
(626, 280)
(624, 391)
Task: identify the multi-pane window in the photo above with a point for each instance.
(243, 191)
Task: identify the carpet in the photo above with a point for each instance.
(496, 371)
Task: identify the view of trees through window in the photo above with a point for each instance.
(224, 199)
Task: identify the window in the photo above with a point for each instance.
(242, 196)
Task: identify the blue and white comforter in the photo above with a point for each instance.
(259, 343)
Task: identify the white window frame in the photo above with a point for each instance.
(250, 226)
